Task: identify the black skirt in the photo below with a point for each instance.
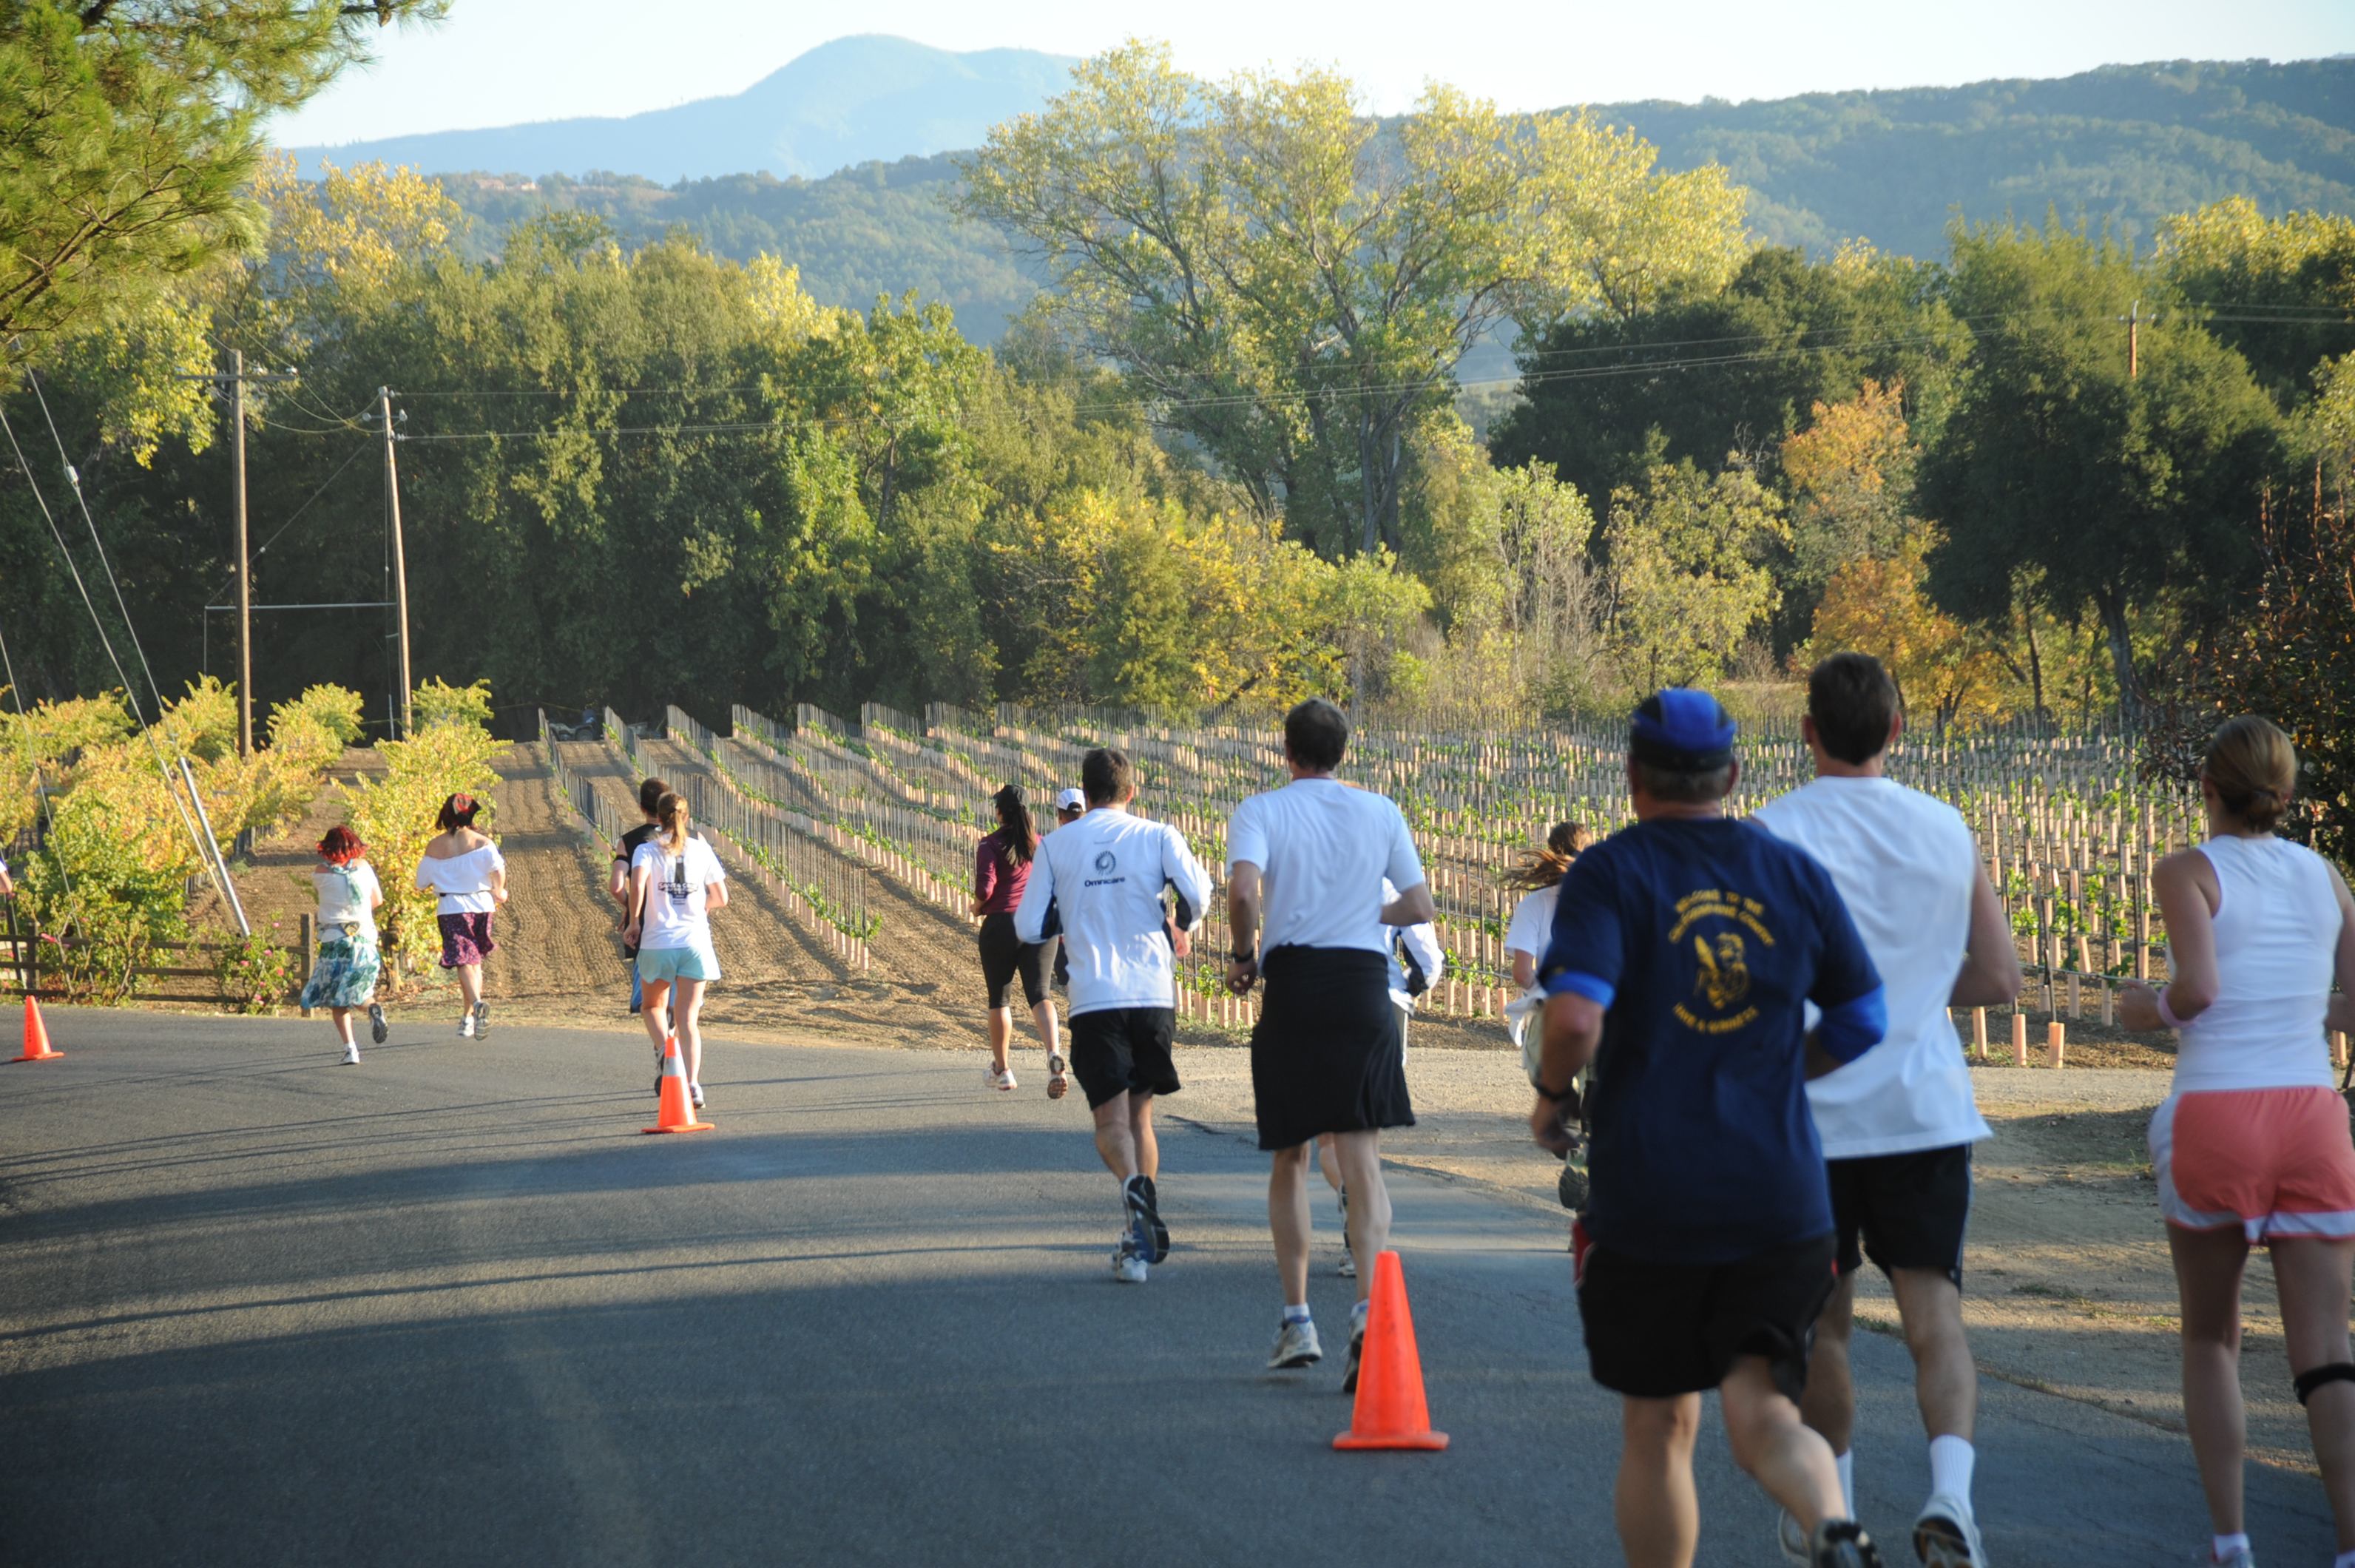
(1325, 1053)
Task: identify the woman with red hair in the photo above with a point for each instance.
(343, 978)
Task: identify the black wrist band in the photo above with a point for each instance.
(1235, 957)
(1546, 1094)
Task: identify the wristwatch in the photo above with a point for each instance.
(1546, 1094)
(1235, 957)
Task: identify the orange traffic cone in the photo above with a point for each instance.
(37, 1037)
(1389, 1412)
(675, 1115)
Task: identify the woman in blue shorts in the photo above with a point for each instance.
(675, 881)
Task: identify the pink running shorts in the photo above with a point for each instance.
(2275, 1162)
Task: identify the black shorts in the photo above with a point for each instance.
(1326, 1056)
(1902, 1211)
(1656, 1330)
(1003, 954)
(1124, 1050)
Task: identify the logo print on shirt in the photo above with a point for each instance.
(1106, 860)
(1721, 970)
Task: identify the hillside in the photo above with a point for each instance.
(2125, 144)
(852, 100)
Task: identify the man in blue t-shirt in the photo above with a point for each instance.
(1684, 949)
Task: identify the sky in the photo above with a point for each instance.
(498, 62)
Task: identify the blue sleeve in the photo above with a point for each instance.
(1588, 950)
(1847, 986)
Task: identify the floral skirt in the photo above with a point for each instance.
(345, 975)
(466, 938)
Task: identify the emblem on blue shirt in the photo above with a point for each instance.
(1722, 977)
(1106, 860)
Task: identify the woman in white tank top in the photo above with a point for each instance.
(2251, 1147)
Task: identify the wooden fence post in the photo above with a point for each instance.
(302, 951)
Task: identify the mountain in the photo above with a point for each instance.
(853, 100)
(2124, 145)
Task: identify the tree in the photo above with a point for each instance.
(1874, 604)
(1687, 571)
(2279, 289)
(1713, 371)
(127, 129)
(2123, 494)
(1290, 284)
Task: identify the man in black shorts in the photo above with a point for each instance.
(1099, 879)
(618, 884)
(1684, 951)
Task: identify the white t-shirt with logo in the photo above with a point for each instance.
(1323, 849)
(344, 893)
(1905, 866)
(675, 911)
(1103, 876)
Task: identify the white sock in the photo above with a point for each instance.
(1951, 1460)
(2224, 1546)
(1847, 1463)
(1295, 1314)
(1357, 1313)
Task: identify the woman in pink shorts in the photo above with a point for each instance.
(2251, 1147)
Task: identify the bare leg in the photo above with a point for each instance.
(1658, 1511)
(1360, 1156)
(1945, 1379)
(1326, 1161)
(689, 1018)
(1140, 1127)
(1288, 1221)
(470, 984)
(343, 1017)
(1830, 1404)
(1001, 1034)
(2311, 1274)
(2208, 1266)
(1789, 1461)
(1049, 1036)
(1116, 1136)
(655, 1012)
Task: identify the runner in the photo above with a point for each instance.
(343, 976)
(1684, 949)
(471, 875)
(1001, 869)
(1069, 806)
(1417, 961)
(1897, 1124)
(650, 793)
(675, 882)
(1538, 879)
(1099, 880)
(1305, 867)
(2250, 1147)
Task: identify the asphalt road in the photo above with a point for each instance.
(451, 1307)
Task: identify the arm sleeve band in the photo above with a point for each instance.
(1593, 987)
(1854, 1026)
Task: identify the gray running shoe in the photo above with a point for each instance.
(1842, 1543)
(1144, 1217)
(1357, 1353)
(1946, 1536)
(1127, 1263)
(1296, 1345)
(1791, 1537)
(1348, 1267)
(482, 1020)
(377, 1028)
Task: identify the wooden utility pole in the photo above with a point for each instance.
(244, 566)
(2134, 318)
(400, 557)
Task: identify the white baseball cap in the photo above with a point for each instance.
(1070, 800)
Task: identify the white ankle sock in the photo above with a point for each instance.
(1357, 1310)
(1296, 1314)
(2223, 1546)
(1951, 1462)
(1847, 1463)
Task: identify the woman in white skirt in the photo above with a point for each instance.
(675, 881)
(345, 973)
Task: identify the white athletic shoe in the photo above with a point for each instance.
(694, 1095)
(1790, 1537)
(1295, 1346)
(1127, 1266)
(1348, 1267)
(2243, 1558)
(466, 1024)
(352, 1054)
(1946, 1536)
(997, 1077)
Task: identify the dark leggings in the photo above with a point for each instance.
(1003, 955)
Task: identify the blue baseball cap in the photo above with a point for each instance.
(1682, 728)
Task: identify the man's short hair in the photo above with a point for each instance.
(1106, 775)
(650, 795)
(1853, 703)
(1683, 787)
(1316, 734)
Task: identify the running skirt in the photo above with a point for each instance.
(2275, 1162)
(345, 972)
(1326, 1055)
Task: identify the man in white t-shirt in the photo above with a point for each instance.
(1898, 1123)
(1098, 878)
(1305, 866)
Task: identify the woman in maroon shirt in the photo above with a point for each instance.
(1001, 869)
